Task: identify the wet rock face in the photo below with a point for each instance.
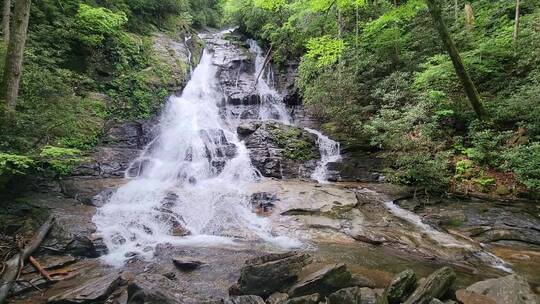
(244, 300)
(486, 222)
(92, 291)
(176, 55)
(279, 150)
(236, 69)
(286, 83)
(271, 273)
(153, 289)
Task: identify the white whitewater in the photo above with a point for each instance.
(177, 181)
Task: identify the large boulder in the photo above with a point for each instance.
(434, 286)
(351, 295)
(324, 281)
(265, 275)
(371, 296)
(506, 290)
(402, 285)
(279, 150)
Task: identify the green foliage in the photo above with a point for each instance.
(12, 165)
(272, 5)
(325, 50)
(424, 169)
(524, 160)
(464, 169)
(95, 23)
(61, 160)
(486, 145)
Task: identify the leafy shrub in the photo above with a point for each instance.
(11, 165)
(96, 23)
(422, 169)
(486, 145)
(464, 169)
(61, 160)
(524, 160)
(324, 50)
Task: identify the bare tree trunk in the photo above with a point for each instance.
(469, 16)
(456, 10)
(15, 53)
(463, 75)
(6, 15)
(516, 22)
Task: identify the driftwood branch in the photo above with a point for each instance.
(39, 268)
(14, 264)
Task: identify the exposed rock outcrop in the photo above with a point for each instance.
(351, 295)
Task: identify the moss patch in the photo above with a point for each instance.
(294, 142)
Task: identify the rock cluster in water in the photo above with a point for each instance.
(288, 278)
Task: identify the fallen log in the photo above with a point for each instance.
(14, 265)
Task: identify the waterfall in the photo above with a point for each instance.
(189, 186)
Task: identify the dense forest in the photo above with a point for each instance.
(87, 62)
(377, 73)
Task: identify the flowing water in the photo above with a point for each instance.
(191, 177)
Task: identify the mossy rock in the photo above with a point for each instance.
(297, 144)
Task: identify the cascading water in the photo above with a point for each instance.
(189, 180)
(272, 107)
(330, 152)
